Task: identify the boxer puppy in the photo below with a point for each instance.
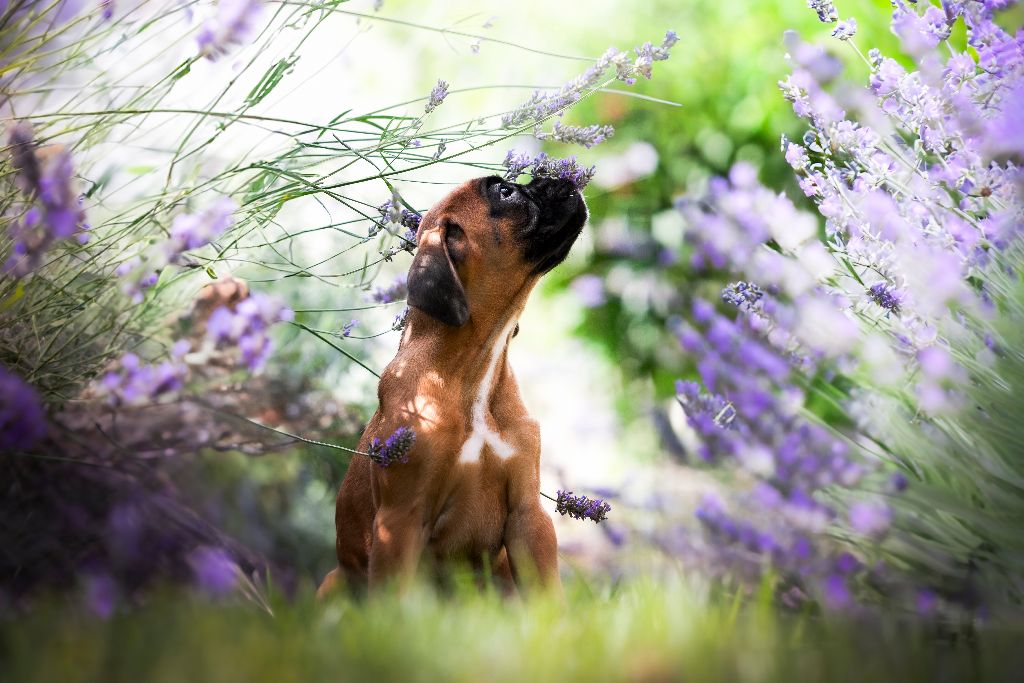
(470, 489)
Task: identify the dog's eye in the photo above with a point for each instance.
(506, 191)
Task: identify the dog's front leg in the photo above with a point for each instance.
(532, 547)
(398, 538)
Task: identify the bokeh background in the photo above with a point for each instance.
(210, 495)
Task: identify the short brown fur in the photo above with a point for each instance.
(435, 509)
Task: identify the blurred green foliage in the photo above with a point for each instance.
(639, 632)
(724, 73)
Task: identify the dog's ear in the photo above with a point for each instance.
(434, 286)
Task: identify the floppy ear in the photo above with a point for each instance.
(434, 286)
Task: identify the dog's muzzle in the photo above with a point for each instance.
(561, 214)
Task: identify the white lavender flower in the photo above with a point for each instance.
(587, 136)
(825, 10)
(845, 29)
(398, 324)
(437, 96)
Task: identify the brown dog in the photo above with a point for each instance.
(470, 490)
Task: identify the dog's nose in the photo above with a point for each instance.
(553, 191)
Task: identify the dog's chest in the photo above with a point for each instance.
(484, 430)
(472, 512)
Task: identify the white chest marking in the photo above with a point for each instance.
(481, 433)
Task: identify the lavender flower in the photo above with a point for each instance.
(391, 211)
(581, 507)
(845, 29)
(214, 571)
(136, 383)
(588, 136)
(516, 164)
(825, 10)
(22, 419)
(398, 324)
(437, 96)
(917, 210)
(885, 297)
(743, 295)
(346, 331)
(247, 327)
(648, 53)
(409, 240)
(231, 25)
(52, 212)
(395, 449)
(395, 291)
(543, 166)
(541, 105)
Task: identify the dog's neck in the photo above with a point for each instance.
(455, 350)
(472, 355)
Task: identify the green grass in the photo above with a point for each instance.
(643, 631)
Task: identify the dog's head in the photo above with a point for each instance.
(489, 239)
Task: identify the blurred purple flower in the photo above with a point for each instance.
(396, 290)
(22, 419)
(581, 507)
(1004, 134)
(349, 326)
(136, 383)
(936, 362)
(926, 602)
(191, 231)
(589, 289)
(395, 448)
(137, 277)
(231, 25)
(835, 593)
(53, 211)
(247, 327)
(871, 518)
(213, 570)
(100, 594)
